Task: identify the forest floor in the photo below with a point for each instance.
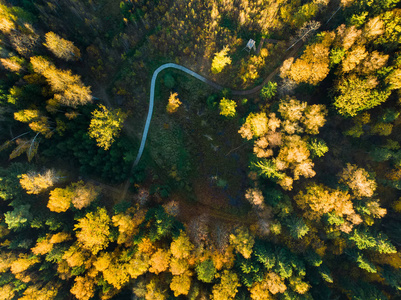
(217, 155)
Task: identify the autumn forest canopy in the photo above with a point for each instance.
(283, 184)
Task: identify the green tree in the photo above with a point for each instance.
(19, 217)
(297, 227)
(227, 107)
(106, 125)
(317, 147)
(206, 271)
(269, 90)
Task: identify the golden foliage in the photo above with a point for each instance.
(313, 65)
(103, 261)
(256, 125)
(314, 118)
(295, 150)
(173, 103)
(61, 48)
(60, 237)
(260, 291)
(106, 125)
(373, 28)
(83, 288)
(299, 286)
(35, 183)
(138, 265)
(60, 199)
(146, 246)
(94, 230)
(181, 247)
(159, 261)
(220, 60)
(291, 109)
(181, 284)
(358, 180)
(116, 274)
(11, 64)
(178, 266)
(6, 259)
(128, 223)
(154, 291)
(75, 256)
(353, 58)
(347, 36)
(274, 283)
(227, 288)
(42, 247)
(374, 61)
(68, 87)
(47, 292)
(255, 197)
(83, 194)
(22, 263)
(63, 270)
(7, 291)
(223, 259)
(319, 200)
(242, 240)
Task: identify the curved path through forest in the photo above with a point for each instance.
(197, 76)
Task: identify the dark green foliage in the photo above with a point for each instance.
(169, 81)
(313, 259)
(249, 269)
(283, 265)
(297, 227)
(364, 291)
(389, 115)
(362, 261)
(161, 224)
(264, 254)
(10, 188)
(325, 273)
(392, 277)
(18, 218)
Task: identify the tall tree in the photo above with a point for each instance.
(106, 125)
(94, 230)
(61, 48)
(220, 60)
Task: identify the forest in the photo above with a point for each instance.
(277, 177)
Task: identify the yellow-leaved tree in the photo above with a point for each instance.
(93, 230)
(106, 125)
(220, 60)
(61, 48)
(173, 103)
(68, 88)
(243, 241)
(227, 288)
(35, 183)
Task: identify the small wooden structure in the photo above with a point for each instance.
(250, 45)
